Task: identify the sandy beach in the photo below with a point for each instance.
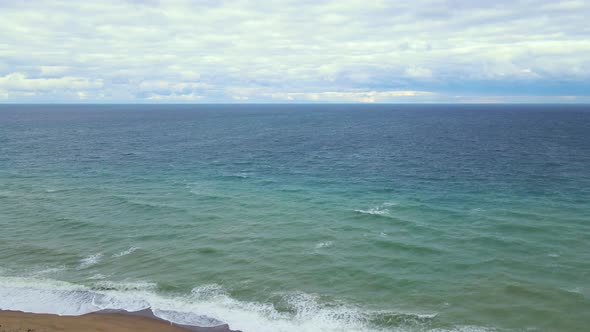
(145, 321)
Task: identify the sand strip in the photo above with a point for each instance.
(106, 321)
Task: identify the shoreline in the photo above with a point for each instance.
(104, 320)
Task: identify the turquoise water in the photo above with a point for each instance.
(300, 218)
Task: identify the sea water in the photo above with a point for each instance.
(300, 217)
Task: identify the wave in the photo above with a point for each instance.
(125, 252)
(325, 244)
(374, 211)
(207, 306)
(241, 175)
(50, 270)
(51, 190)
(380, 210)
(584, 292)
(90, 260)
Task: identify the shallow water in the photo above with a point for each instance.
(300, 218)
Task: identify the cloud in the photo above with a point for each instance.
(174, 97)
(213, 51)
(171, 86)
(418, 72)
(359, 96)
(20, 82)
(56, 71)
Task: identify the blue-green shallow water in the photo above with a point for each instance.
(300, 218)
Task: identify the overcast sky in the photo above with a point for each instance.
(295, 51)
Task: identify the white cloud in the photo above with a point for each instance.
(353, 96)
(175, 97)
(418, 72)
(171, 86)
(20, 82)
(53, 70)
(132, 50)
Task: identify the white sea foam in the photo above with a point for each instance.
(374, 211)
(208, 305)
(125, 252)
(241, 175)
(124, 286)
(324, 244)
(90, 260)
(379, 210)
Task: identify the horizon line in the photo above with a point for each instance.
(291, 103)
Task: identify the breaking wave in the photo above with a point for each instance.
(208, 305)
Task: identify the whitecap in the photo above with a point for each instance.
(125, 252)
(476, 210)
(241, 175)
(324, 244)
(379, 210)
(374, 211)
(90, 260)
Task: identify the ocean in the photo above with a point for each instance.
(300, 217)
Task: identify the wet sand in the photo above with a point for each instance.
(105, 321)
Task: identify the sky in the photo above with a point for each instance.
(365, 51)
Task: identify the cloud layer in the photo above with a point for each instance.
(290, 51)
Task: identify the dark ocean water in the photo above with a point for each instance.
(300, 217)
